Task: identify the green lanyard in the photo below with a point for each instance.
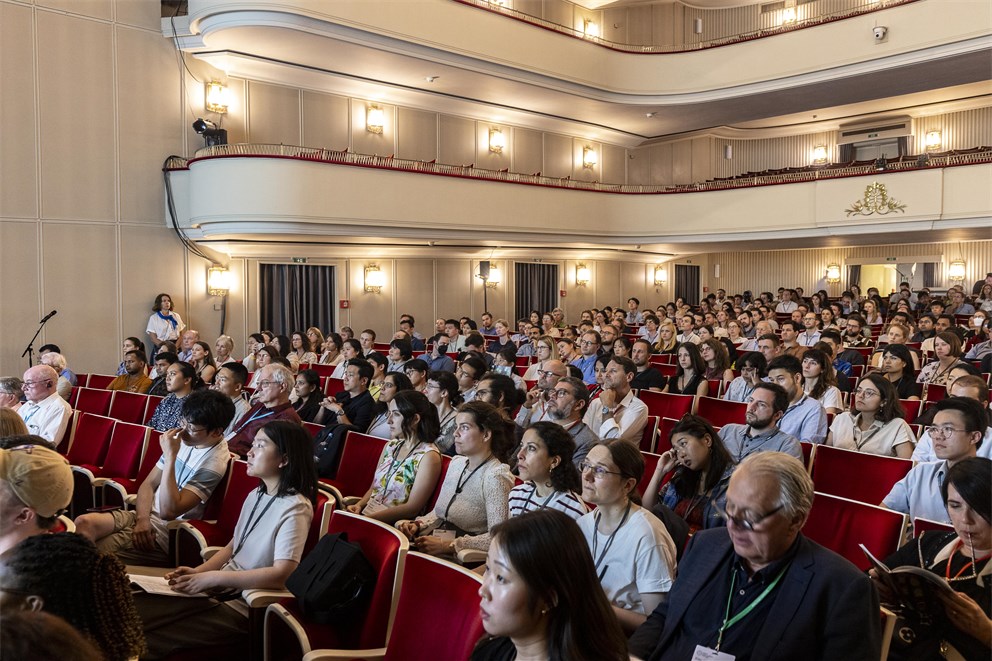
(727, 623)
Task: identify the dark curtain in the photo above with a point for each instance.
(853, 275)
(929, 274)
(295, 297)
(536, 288)
(687, 283)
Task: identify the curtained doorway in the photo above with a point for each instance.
(687, 283)
(294, 297)
(536, 288)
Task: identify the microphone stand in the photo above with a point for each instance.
(29, 351)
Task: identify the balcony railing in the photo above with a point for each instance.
(770, 178)
(857, 8)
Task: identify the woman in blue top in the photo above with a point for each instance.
(698, 489)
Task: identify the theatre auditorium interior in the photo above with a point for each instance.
(579, 173)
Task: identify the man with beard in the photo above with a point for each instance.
(535, 406)
(765, 407)
(567, 402)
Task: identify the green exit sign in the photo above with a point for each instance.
(890, 259)
(299, 260)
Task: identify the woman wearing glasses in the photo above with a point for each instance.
(753, 372)
(632, 551)
(410, 464)
(698, 489)
(874, 424)
(962, 558)
(474, 494)
(545, 350)
(442, 391)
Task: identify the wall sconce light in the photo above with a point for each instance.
(374, 119)
(583, 274)
(589, 158)
(660, 275)
(216, 97)
(956, 270)
(820, 155)
(589, 28)
(496, 141)
(374, 279)
(218, 281)
(788, 15)
(933, 140)
(833, 272)
(495, 277)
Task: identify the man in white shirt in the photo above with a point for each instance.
(788, 304)
(972, 387)
(230, 380)
(45, 413)
(687, 332)
(811, 334)
(189, 338)
(617, 413)
(367, 340)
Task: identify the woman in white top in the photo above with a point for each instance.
(223, 347)
(410, 464)
(474, 494)
(820, 381)
(734, 333)
(546, 349)
(165, 325)
(394, 383)
(300, 347)
(551, 480)
(874, 424)
(633, 553)
(350, 349)
(267, 546)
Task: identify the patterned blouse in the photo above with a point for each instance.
(394, 479)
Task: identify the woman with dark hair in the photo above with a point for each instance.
(410, 464)
(717, 360)
(753, 372)
(65, 575)
(283, 345)
(632, 551)
(622, 346)
(540, 597)
(308, 395)
(253, 344)
(544, 463)
(690, 376)
(820, 380)
(350, 349)
(267, 546)
(962, 628)
(442, 391)
(400, 353)
(265, 355)
(875, 423)
(301, 347)
(203, 362)
(395, 382)
(180, 381)
(164, 325)
(947, 348)
(897, 367)
(474, 494)
(331, 348)
(697, 491)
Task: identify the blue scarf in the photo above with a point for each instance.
(170, 319)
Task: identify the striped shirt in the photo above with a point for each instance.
(523, 498)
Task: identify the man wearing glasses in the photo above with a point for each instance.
(193, 462)
(534, 408)
(567, 402)
(957, 433)
(271, 403)
(45, 413)
(758, 588)
(589, 348)
(973, 387)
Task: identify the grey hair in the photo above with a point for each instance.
(280, 374)
(11, 385)
(227, 340)
(795, 485)
(54, 360)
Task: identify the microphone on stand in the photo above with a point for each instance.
(49, 316)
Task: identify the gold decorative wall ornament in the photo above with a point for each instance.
(876, 200)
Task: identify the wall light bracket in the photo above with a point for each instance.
(583, 275)
(375, 279)
(218, 281)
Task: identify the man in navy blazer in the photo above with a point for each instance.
(758, 590)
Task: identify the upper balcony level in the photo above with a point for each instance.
(489, 63)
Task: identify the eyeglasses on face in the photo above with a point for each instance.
(942, 431)
(598, 471)
(744, 523)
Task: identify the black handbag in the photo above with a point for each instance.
(334, 581)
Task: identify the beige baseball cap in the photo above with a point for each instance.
(39, 477)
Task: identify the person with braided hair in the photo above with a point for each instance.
(65, 575)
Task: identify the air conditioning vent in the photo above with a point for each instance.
(886, 129)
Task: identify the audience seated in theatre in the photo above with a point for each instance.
(717, 361)
(129, 344)
(331, 350)
(160, 384)
(379, 364)
(270, 402)
(765, 407)
(416, 370)
(202, 361)
(469, 372)
(647, 377)
(947, 348)
(302, 349)
(973, 387)
(307, 395)
(617, 412)
(690, 376)
(58, 363)
(223, 348)
(35, 484)
(133, 379)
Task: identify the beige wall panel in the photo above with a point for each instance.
(681, 162)
(89, 303)
(633, 282)
(614, 160)
(415, 292)
(368, 309)
(325, 121)
(364, 142)
(958, 130)
(662, 166)
(201, 307)
(274, 114)
(140, 13)
(456, 143)
(156, 255)
(491, 160)
(580, 297)
(95, 8)
(617, 25)
(640, 24)
(20, 304)
(664, 25)
(453, 298)
(557, 155)
(75, 69)
(639, 166)
(416, 135)
(560, 12)
(608, 288)
(18, 115)
(527, 151)
(530, 7)
(149, 113)
(237, 324)
(702, 158)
